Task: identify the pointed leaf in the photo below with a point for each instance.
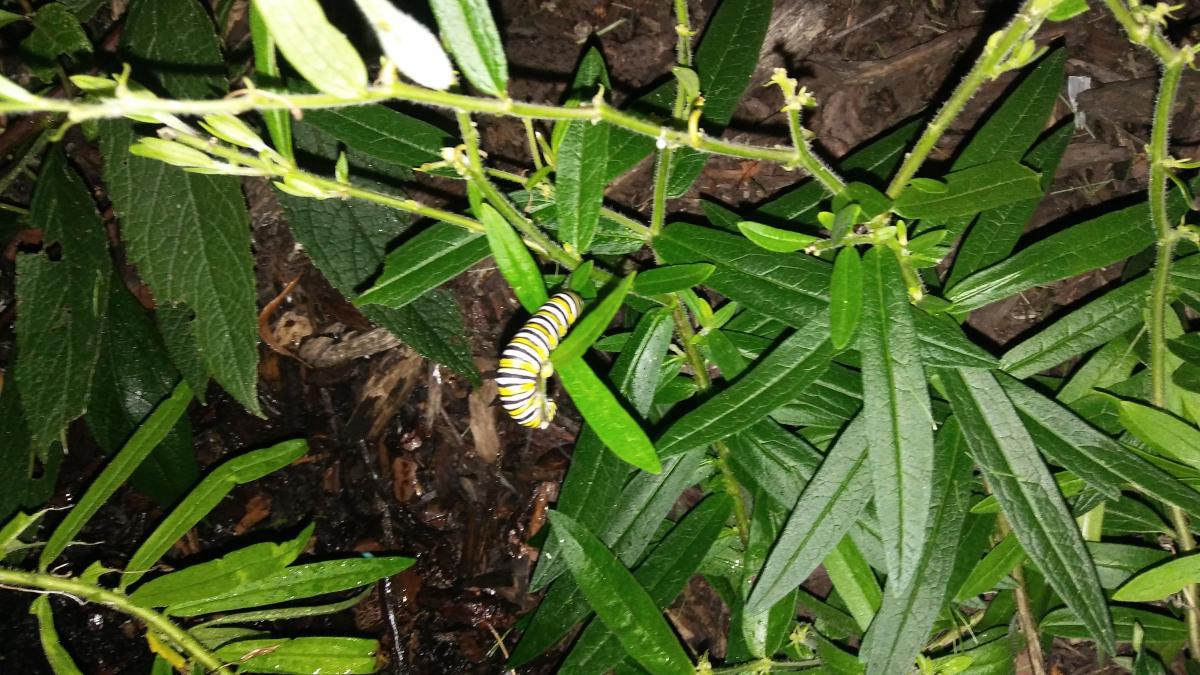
(776, 239)
(380, 132)
(579, 182)
(604, 413)
(845, 297)
(592, 325)
(1161, 581)
(317, 50)
(971, 190)
(1027, 493)
(1168, 435)
(631, 614)
(468, 28)
(433, 257)
(56, 655)
(303, 654)
(672, 278)
(896, 414)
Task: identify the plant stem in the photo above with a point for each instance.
(734, 489)
(120, 602)
(998, 48)
(683, 28)
(662, 171)
(1037, 660)
(617, 217)
(805, 157)
(533, 146)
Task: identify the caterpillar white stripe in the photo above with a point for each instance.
(525, 363)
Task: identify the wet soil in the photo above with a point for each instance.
(408, 458)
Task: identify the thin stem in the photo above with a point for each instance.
(683, 28)
(662, 172)
(259, 99)
(999, 46)
(953, 636)
(734, 490)
(617, 217)
(805, 157)
(120, 602)
(531, 135)
(1037, 660)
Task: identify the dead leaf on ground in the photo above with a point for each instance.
(257, 510)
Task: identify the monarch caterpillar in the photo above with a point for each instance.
(525, 363)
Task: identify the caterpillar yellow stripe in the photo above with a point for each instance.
(525, 363)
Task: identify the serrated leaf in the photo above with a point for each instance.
(663, 575)
(148, 435)
(776, 239)
(189, 65)
(972, 190)
(1095, 243)
(845, 297)
(631, 614)
(590, 489)
(468, 28)
(380, 132)
(317, 50)
(725, 61)
(429, 259)
(296, 583)
(579, 182)
(303, 654)
(827, 507)
(905, 619)
(205, 497)
(672, 278)
(56, 33)
(61, 303)
(774, 380)
(593, 324)
(1027, 493)
(203, 223)
(1165, 433)
(896, 414)
(1093, 456)
(229, 572)
(1085, 328)
(134, 373)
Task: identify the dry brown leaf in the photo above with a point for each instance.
(483, 422)
(257, 510)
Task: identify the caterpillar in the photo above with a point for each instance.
(525, 363)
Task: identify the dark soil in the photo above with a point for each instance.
(407, 458)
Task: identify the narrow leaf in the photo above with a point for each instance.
(896, 414)
(470, 31)
(1027, 493)
(579, 182)
(592, 325)
(631, 614)
(1168, 435)
(320, 52)
(604, 413)
(776, 239)
(430, 259)
(56, 655)
(672, 278)
(303, 654)
(845, 297)
(971, 190)
(380, 132)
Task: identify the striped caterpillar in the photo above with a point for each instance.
(525, 363)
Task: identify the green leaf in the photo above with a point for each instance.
(302, 655)
(590, 490)
(1186, 347)
(604, 413)
(631, 614)
(205, 497)
(774, 380)
(725, 61)
(1092, 244)
(1086, 328)
(1159, 628)
(776, 239)
(996, 565)
(317, 50)
(672, 278)
(410, 46)
(1067, 9)
(592, 325)
(845, 297)
(7, 17)
(148, 435)
(906, 617)
(56, 33)
(229, 572)
(1027, 493)
(664, 575)
(642, 504)
(347, 241)
(266, 66)
(133, 374)
(60, 303)
(971, 190)
(1093, 456)
(431, 258)
(995, 233)
(1166, 434)
(579, 182)
(203, 219)
(28, 472)
(769, 460)
(1116, 563)
(896, 414)
(56, 655)
(828, 506)
(190, 64)
(854, 581)
(380, 132)
(793, 289)
(513, 259)
(296, 583)
(468, 29)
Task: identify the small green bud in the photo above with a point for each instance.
(93, 84)
(230, 129)
(300, 186)
(171, 152)
(341, 170)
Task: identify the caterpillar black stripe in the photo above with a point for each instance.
(525, 363)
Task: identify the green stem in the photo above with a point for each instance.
(617, 217)
(806, 158)
(734, 489)
(531, 135)
(683, 28)
(258, 99)
(120, 602)
(1033, 641)
(662, 172)
(998, 48)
